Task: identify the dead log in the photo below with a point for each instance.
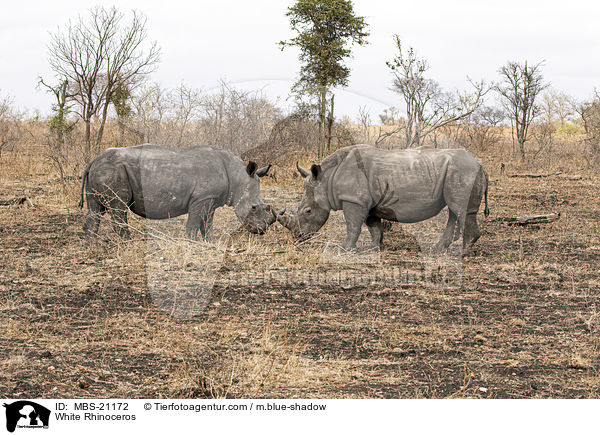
(16, 201)
(526, 220)
(534, 175)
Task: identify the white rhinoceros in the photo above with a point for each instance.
(370, 184)
(157, 182)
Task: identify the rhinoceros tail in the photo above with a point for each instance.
(486, 211)
(84, 177)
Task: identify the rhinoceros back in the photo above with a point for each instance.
(405, 185)
(164, 180)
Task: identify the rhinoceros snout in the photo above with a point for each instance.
(260, 218)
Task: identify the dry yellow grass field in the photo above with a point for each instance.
(256, 317)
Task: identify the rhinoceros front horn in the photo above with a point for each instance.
(282, 218)
(302, 171)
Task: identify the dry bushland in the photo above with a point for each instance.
(252, 316)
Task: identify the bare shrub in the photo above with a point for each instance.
(290, 138)
(150, 108)
(237, 120)
(10, 123)
(483, 129)
(186, 104)
(589, 112)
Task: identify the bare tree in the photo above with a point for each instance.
(364, 123)
(390, 116)
(186, 103)
(519, 87)
(589, 111)
(483, 131)
(59, 123)
(10, 125)
(557, 106)
(97, 57)
(428, 107)
(150, 108)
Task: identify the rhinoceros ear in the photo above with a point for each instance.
(316, 171)
(263, 171)
(251, 168)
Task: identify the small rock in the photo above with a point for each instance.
(83, 384)
(483, 389)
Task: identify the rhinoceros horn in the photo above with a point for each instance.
(289, 221)
(302, 171)
(282, 218)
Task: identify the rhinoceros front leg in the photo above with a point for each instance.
(355, 216)
(200, 219)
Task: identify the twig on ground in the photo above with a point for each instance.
(526, 220)
(534, 175)
(16, 201)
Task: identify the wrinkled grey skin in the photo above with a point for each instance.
(158, 183)
(370, 184)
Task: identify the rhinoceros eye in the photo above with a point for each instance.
(307, 210)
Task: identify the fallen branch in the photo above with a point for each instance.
(16, 201)
(526, 220)
(535, 175)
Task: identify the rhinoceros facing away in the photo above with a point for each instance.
(370, 184)
(157, 182)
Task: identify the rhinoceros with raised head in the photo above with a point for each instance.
(157, 182)
(370, 184)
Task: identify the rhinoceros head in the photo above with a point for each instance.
(313, 211)
(250, 208)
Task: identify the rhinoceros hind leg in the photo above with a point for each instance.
(472, 232)
(92, 220)
(450, 233)
(120, 225)
(355, 216)
(376, 227)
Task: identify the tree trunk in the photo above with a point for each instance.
(322, 108)
(88, 141)
(330, 126)
(101, 128)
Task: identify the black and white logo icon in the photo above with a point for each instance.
(26, 414)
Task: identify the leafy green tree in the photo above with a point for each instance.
(326, 29)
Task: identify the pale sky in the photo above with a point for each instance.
(205, 41)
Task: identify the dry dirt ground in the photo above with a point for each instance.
(256, 317)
